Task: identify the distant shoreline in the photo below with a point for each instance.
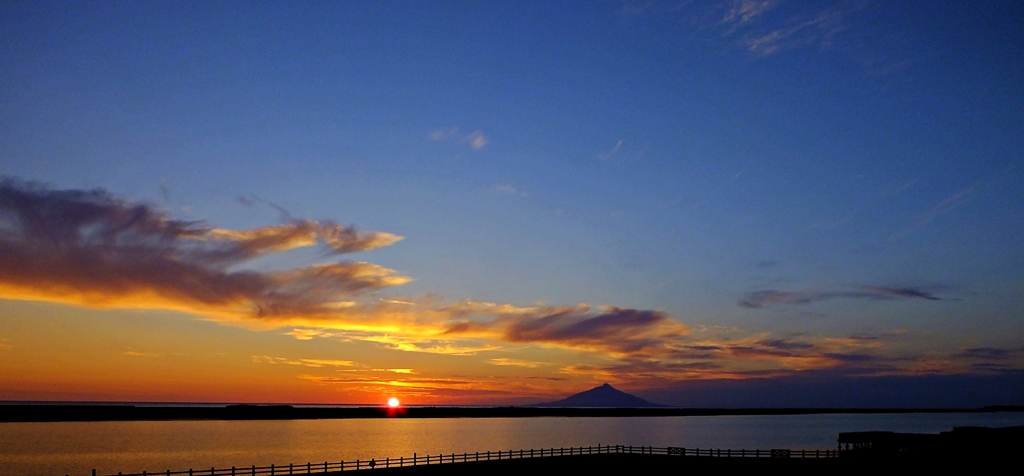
(83, 412)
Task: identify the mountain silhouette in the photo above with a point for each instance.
(604, 396)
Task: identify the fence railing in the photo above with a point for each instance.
(433, 459)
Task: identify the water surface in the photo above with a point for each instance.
(75, 448)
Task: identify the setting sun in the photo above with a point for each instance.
(392, 402)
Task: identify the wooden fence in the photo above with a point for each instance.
(415, 460)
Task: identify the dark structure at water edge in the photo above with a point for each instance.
(967, 441)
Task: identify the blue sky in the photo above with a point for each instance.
(786, 174)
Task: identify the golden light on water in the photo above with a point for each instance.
(392, 402)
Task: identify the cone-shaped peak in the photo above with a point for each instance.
(604, 396)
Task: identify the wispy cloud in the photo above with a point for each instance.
(765, 357)
(316, 363)
(133, 353)
(266, 359)
(613, 330)
(94, 249)
(510, 190)
(476, 139)
(990, 353)
(442, 134)
(740, 12)
(91, 248)
(899, 292)
(308, 334)
(943, 207)
(772, 297)
(610, 152)
(899, 188)
(327, 362)
(818, 29)
(516, 363)
(762, 27)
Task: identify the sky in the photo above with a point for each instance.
(750, 202)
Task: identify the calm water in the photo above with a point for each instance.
(56, 449)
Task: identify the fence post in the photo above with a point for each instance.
(271, 469)
(254, 470)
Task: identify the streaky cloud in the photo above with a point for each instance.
(949, 204)
(989, 353)
(897, 291)
(773, 297)
(91, 248)
(613, 329)
(610, 152)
